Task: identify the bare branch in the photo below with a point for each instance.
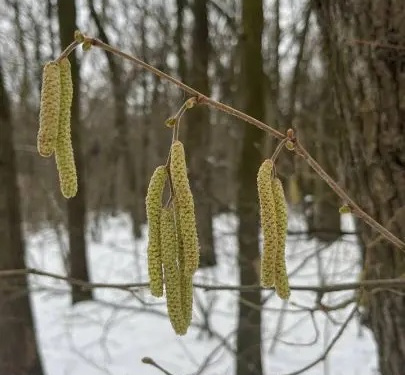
(329, 347)
(382, 284)
(299, 149)
(150, 361)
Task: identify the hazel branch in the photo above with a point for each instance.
(298, 148)
(355, 208)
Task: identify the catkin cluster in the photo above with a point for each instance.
(54, 128)
(273, 215)
(173, 249)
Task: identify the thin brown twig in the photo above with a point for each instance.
(67, 51)
(200, 97)
(398, 283)
(356, 210)
(329, 347)
(299, 149)
(150, 361)
(278, 150)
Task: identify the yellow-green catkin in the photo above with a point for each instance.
(186, 280)
(281, 277)
(49, 109)
(269, 224)
(65, 161)
(184, 199)
(169, 245)
(153, 212)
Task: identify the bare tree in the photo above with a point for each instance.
(76, 206)
(364, 43)
(18, 348)
(198, 137)
(249, 330)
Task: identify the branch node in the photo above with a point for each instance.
(190, 103)
(78, 36)
(345, 209)
(170, 122)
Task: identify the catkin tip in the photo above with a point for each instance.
(172, 274)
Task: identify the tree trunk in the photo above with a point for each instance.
(367, 63)
(76, 206)
(18, 348)
(199, 134)
(249, 329)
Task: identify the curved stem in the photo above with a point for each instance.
(67, 51)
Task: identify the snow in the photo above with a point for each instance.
(112, 335)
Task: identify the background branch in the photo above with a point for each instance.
(366, 284)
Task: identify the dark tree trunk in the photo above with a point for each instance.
(364, 41)
(76, 206)
(199, 134)
(18, 348)
(249, 329)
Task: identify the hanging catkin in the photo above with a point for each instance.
(153, 212)
(184, 197)
(186, 280)
(269, 224)
(281, 277)
(64, 151)
(171, 271)
(49, 109)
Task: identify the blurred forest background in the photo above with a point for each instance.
(331, 70)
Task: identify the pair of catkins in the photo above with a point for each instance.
(273, 215)
(54, 118)
(173, 249)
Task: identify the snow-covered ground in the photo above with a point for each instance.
(112, 335)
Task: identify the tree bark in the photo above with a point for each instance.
(76, 206)
(198, 136)
(367, 65)
(249, 329)
(18, 349)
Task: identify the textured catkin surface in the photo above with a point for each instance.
(281, 277)
(64, 151)
(184, 199)
(49, 109)
(269, 224)
(186, 280)
(153, 212)
(169, 245)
